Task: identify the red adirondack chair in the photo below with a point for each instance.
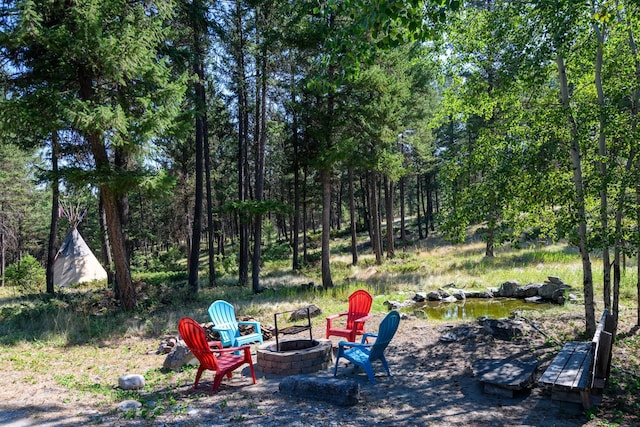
(222, 361)
(358, 312)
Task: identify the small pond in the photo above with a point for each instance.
(472, 308)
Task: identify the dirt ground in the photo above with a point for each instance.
(432, 384)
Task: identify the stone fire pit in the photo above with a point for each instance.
(296, 356)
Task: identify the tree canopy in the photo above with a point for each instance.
(298, 119)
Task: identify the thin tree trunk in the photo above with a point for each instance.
(424, 188)
(325, 176)
(437, 201)
(430, 212)
(418, 219)
(365, 205)
(339, 205)
(403, 231)
(374, 219)
(574, 154)
(304, 216)
(211, 224)
(296, 182)
(602, 166)
(353, 222)
(243, 126)
(3, 249)
(53, 226)
(261, 120)
(194, 255)
(388, 193)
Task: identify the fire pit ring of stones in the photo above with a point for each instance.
(296, 356)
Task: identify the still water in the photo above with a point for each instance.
(470, 309)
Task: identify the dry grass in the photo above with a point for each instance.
(76, 344)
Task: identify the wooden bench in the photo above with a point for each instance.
(579, 372)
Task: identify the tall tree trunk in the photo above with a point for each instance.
(304, 216)
(243, 128)
(424, 189)
(403, 231)
(261, 135)
(364, 192)
(194, 255)
(353, 222)
(388, 199)
(436, 208)
(575, 157)
(374, 218)
(602, 166)
(200, 30)
(419, 217)
(339, 204)
(211, 224)
(325, 177)
(186, 211)
(296, 183)
(53, 226)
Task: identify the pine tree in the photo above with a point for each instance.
(98, 64)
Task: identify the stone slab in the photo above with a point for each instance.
(328, 389)
(506, 374)
(498, 391)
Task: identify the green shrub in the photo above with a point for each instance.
(170, 259)
(276, 252)
(27, 275)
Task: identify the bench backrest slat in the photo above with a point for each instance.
(602, 346)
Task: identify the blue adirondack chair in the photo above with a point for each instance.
(364, 354)
(225, 323)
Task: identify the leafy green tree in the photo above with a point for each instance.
(483, 162)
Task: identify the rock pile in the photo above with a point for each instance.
(552, 290)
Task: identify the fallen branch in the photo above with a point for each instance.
(534, 326)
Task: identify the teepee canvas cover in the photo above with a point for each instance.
(75, 263)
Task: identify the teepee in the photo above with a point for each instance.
(75, 263)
